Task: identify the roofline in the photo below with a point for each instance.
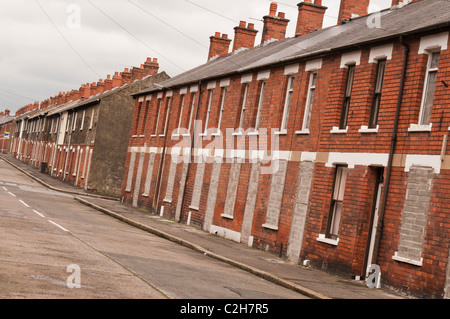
(317, 54)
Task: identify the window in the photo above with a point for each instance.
(347, 96)
(74, 124)
(180, 116)
(430, 85)
(57, 124)
(162, 132)
(144, 125)
(336, 202)
(191, 113)
(378, 87)
(208, 111)
(156, 120)
(136, 130)
(309, 101)
(260, 103)
(287, 104)
(244, 102)
(92, 119)
(82, 120)
(67, 124)
(222, 105)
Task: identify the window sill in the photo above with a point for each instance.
(134, 136)
(283, 132)
(145, 195)
(227, 216)
(153, 135)
(202, 134)
(175, 135)
(407, 260)
(162, 135)
(141, 135)
(216, 134)
(302, 132)
(366, 129)
(337, 130)
(237, 133)
(269, 226)
(167, 200)
(194, 207)
(255, 133)
(420, 128)
(329, 241)
(186, 134)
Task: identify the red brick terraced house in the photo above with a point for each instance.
(329, 147)
(81, 136)
(5, 130)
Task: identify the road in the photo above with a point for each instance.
(51, 246)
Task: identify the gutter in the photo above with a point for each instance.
(379, 230)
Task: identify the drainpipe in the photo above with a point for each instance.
(191, 150)
(392, 148)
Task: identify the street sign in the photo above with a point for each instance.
(6, 135)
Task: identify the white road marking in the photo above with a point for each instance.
(38, 213)
(11, 194)
(58, 225)
(4, 188)
(25, 204)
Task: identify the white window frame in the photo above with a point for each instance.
(262, 92)
(157, 117)
(82, 120)
(208, 111)
(287, 104)
(425, 87)
(180, 116)
(337, 197)
(91, 124)
(74, 122)
(244, 103)
(222, 107)
(191, 115)
(309, 102)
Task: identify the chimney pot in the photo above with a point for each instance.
(242, 24)
(251, 26)
(273, 8)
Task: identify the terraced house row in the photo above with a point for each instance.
(329, 146)
(69, 136)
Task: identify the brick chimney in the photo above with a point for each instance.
(126, 76)
(395, 2)
(7, 112)
(219, 45)
(244, 36)
(151, 66)
(310, 16)
(100, 86)
(116, 80)
(349, 8)
(274, 26)
(87, 91)
(108, 83)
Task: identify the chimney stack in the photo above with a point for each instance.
(117, 80)
(395, 2)
(274, 26)
(100, 86)
(244, 36)
(108, 83)
(151, 66)
(310, 17)
(126, 76)
(349, 8)
(7, 112)
(219, 45)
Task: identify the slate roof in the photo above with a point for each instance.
(412, 18)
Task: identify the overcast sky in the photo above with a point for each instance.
(48, 46)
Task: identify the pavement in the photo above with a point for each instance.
(311, 282)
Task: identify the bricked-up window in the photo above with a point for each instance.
(287, 104)
(347, 96)
(337, 199)
(208, 111)
(222, 105)
(430, 85)
(136, 130)
(309, 100)
(262, 90)
(146, 110)
(156, 119)
(180, 115)
(378, 87)
(243, 106)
